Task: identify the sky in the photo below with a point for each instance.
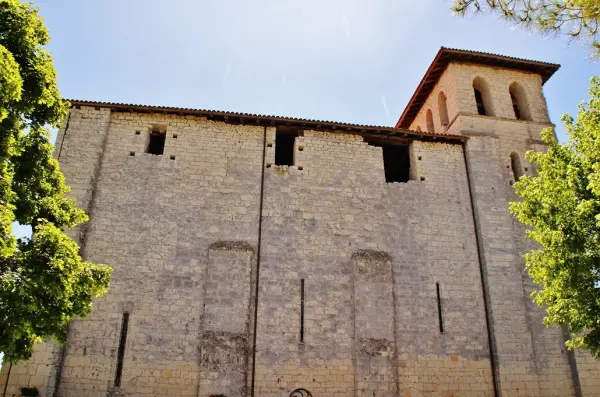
(342, 60)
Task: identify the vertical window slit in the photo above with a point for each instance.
(121, 352)
(479, 101)
(515, 164)
(302, 311)
(439, 305)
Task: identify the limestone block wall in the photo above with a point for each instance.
(315, 219)
(153, 220)
(516, 360)
(375, 344)
(498, 81)
(457, 83)
(589, 373)
(225, 345)
(496, 140)
(392, 297)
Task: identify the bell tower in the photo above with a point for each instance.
(496, 103)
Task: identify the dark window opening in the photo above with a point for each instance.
(121, 351)
(396, 161)
(302, 311)
(515, 164)
(284, 145)
(156, 145)
(515, 104)
(28, 391)
(479, 101)
(439, 305)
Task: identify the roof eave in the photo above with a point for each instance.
(268, 120)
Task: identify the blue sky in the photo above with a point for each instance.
(342, 60)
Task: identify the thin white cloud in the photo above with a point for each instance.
(227, 73)
(385, 108)
(345, 24)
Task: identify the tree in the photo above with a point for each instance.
(562, 206)
(43, 280)
(577, 18)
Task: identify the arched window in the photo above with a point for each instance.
(429, 119)
(519, 101)
(443, 109)
(515, 164)
(482, 97)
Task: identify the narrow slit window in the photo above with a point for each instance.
(483, 99)
(515, 165)
(156, 143)
(439, 305)
(284, 145)
(515, 105)
(121, 351)
(479, 101)
(302, 311)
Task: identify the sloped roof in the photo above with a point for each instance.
(268, 120)
(445, 56)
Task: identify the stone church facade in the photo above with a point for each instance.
(270, 256)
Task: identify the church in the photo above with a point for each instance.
(267, 256)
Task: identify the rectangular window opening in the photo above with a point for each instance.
(396, 161)
(284, 145)
(156, 144)
(302, 311)
(121, 351)
(439, 305)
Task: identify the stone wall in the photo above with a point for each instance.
(315, 222)
(181, 231)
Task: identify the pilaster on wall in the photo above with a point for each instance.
(375, 347)
(516, 372)
(80, 145)
(225, 333)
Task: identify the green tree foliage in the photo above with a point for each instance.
(43, 281)
(577, 18)
(562, 207)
